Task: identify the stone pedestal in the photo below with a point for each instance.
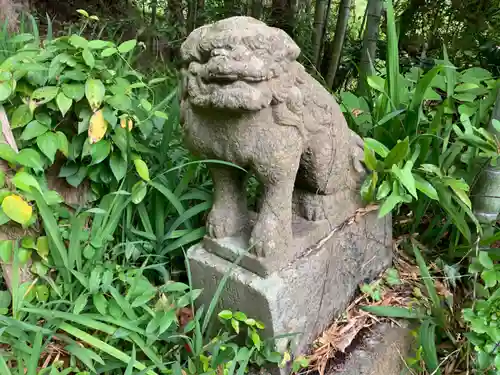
(302, 291)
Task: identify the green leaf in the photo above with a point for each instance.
(24, 181)
(425, 187)
(485, 260)
(100, 151)
(389, 204)
(78, 41)
(127, 46)
(88, 57)
(405, 177)
(255, 339)
(369, 159)
(383, 190)
(33, 130)
(496, 124)
(5, 250)
(226, 314)
(62, 143)
(30, 158)
(45, 94)
(139, 191)
(120, 101)
(63, 103)
(428, 339)
(236, 325)
(100, 303)
(398, 153)
(21, 116)
(393, 312)
(118, 166)
(48, 144)
(490, 278)
(76, 179)
(6, 90)
(109, 52)
(143, 299)
(94, 92)
(42, 247)
(75, 91)
(17, 209)
(99, 44)
(142, 169)
(5, 299)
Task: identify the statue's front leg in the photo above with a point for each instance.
(273, 229)
(228, 215)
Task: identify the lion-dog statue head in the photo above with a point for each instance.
(245, 100)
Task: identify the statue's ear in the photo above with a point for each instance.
(282, 46)
(190, 48)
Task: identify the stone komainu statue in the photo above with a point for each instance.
(246, 100)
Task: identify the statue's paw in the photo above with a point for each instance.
(224, 223)
(268, 239)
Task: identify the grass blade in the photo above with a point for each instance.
(101, 345)
(393, 312)
(427, 336)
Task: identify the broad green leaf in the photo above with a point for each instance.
(33, 130)
(490, 278)
(389, 204)
(78, 41)
(109, 52)
(142, 169)
(76, 179)
(236, 325)
(496, 124)
(21, 116)
(383, 190)
(369, 159)
(86, 356)
(466, 87)
(127, 46)
(30, 158)
(97, 127)
(17, 209)
(99, 44)
(75, 91)
(406, 177)
(226, 314)
(100, 151)
(5, 299)
(48, 143)
(485, 260)
(118, 166)
(94, 92)
(139, 191)
(24, 181)
(5, 250)
(62, 143)
(120, 101)
(398, 153)
(425, 187)
(42, 246)
(88, 57)
(45, 94)
(379, 148)
(465, 97)
(42, 293)
(5, 90)
(376, 82)
(63, 103)
(100, 303)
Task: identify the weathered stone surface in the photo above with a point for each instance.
(381, 352)
(245, 100)
(304, 295)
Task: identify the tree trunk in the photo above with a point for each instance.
(200, 13)
(338, 41)
(192, 15)
(283, 15)
(320, 16)
(154, 7)
(486, 203)
(256, 10)
(370, 38)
